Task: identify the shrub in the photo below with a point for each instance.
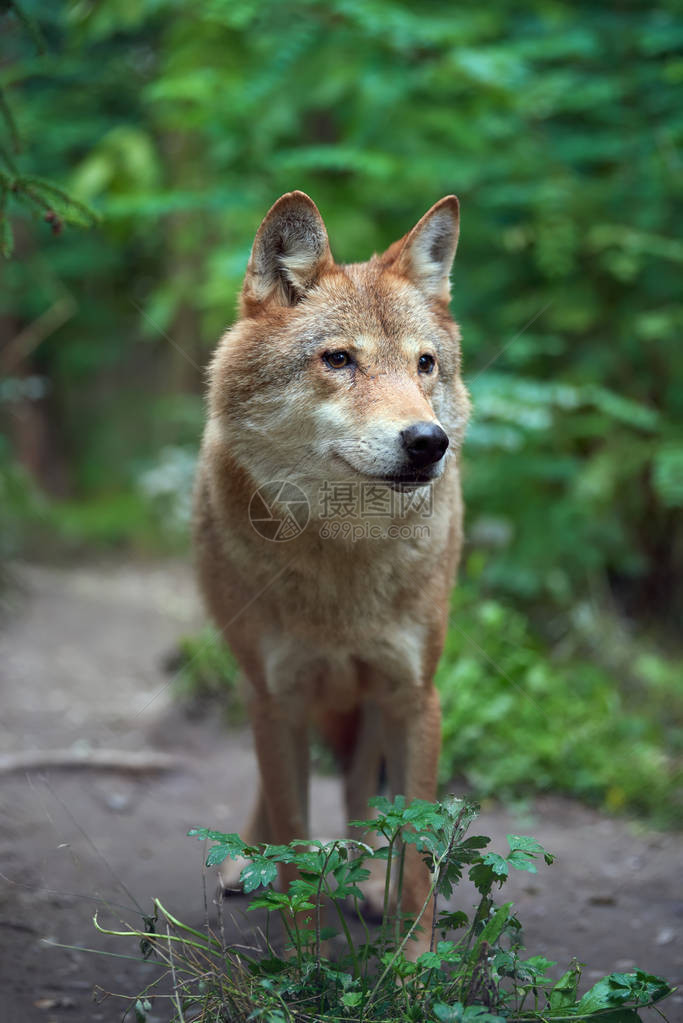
(480, 975)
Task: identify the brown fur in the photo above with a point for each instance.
(344, 633)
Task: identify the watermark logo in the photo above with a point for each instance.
(366, 500)
(279, 511)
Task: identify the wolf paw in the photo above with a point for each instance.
(229, 880)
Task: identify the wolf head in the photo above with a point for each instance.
(342, 372)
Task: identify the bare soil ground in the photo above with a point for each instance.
(81, 653)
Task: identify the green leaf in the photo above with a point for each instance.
(498, 865)
(534, 970)
(457, 1013)
(619, 988)
(447, 949)
(217, 854)
(523, 850)
(520, 861)
(448, 1013)
(429, 961)
(229, 838)
(452, 922)
(563, 993)
(525, 842)
(495, 925)
(481, 1014)
(270, 900)
(475, 842)
(260, 873)
(483, 877)
(400, 965)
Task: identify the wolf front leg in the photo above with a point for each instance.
(412, 743)
(283, 758)
(282, 752)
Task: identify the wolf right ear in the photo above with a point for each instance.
(289, 254)
(426, 253)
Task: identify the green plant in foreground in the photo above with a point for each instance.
(474, 970)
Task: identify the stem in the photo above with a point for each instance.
(365, 929)
(399, 896)
(297, 941)
(387, 889)
(431, 940)
(345, 927)
(151, 938)
(482, 908)
(403, 944)
(183, 927)
(103, 952)
(288, 929)
(173, 975)
(221, 922)
(321, 880)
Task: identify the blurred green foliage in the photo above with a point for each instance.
(205, 674)
(598, 717)
(559, 126)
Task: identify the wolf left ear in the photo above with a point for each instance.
(290, 252)
(427, 252)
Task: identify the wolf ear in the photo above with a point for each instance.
(290, 252)
(426, 254)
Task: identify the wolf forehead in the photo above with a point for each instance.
(361, 300)
(384, 319)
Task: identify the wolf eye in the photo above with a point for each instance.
(426, 363)
(337, 360)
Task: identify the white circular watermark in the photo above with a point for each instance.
(279, 511)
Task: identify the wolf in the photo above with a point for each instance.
(336, 374)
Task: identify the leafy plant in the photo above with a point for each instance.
(205, 671)
(521, 716)
(481, 975)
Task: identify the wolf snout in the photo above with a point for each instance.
(424, 444)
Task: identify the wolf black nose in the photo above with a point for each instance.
(425, 444)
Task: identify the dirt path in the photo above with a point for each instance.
(80, 662)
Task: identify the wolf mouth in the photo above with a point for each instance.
(405, 481)
(397, 481)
